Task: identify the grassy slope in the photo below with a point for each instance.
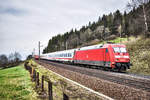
(15, 84)
(140, 55)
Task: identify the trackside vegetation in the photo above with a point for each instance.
(15, 84)
(139, 50)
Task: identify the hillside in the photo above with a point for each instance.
(140, 55)
(106, 28)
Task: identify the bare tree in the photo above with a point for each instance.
(11, 58)
(136, 3)
(3, 60)
(17, 57)
(14, 57)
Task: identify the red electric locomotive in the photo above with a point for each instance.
(114, 56)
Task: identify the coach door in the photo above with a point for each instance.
(106, 58)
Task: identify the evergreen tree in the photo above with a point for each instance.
(116, 22)
(126, 24)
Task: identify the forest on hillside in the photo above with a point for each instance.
(116, 24)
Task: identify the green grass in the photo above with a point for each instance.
(117, 40)
(15, 84)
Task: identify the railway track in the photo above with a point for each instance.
(137, 83)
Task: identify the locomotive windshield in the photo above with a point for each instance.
(119, 50)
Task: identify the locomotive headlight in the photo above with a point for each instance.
(113, 63)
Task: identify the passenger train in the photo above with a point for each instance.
(113, 56)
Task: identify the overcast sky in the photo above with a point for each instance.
(25, 22)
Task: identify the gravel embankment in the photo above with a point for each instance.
(113, 89)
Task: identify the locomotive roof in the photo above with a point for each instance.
(99, 46)
(91, 47)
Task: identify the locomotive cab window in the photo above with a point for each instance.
(116, 50)
(123, 50)
(120, 50)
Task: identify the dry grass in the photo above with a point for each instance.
(140, 55)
